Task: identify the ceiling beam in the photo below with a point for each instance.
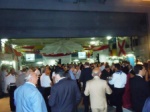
(102, 1)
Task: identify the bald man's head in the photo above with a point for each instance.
(96, 72)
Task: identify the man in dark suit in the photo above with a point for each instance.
(65, 94)
(131, 71)
(107, 72)
(86, 74)
(139, 88)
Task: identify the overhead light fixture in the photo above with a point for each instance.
(39, 63)
(76, 60)
(108, 37)
(93, 38)
(4, 40)
(92, 42)
(13, 46)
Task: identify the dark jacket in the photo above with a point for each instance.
(139, 92)
(86, 74)
(106, 74)
(65, 96)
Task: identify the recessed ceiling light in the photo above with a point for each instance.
(4, 40)
(108, 37)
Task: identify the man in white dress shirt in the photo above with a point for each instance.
(21, 77)
(77, 75)
(37, 71)
(11, 84)
(118, 82)
(4, 73)
(46, 85)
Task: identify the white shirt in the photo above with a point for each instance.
(53, 74)
(3, 83)
(78, 74)
(45, 80)
(9, 79)
(102, 68)
(37, 72)
(119, 79)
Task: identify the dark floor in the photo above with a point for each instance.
(4, 106)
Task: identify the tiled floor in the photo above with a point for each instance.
(4, 106)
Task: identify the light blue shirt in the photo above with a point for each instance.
(72, 75)
(29, 99)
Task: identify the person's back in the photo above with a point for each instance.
(139, 88)
(66, 96)
(28, 98)
(85, 76)
(139, 92)
(97, 90)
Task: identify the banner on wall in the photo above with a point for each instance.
(112, 47)
(121, 42)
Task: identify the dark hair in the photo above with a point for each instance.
(61, 72)
(137, 68)
(117, 65)
(107, 66)
(87, 64)
(146, 66)
(71, 66)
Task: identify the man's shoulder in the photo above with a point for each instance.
(27, 89)
(136, 79)
(64, 82)
(42, 74)
(87, 69)
(99, 82)
(93, 80)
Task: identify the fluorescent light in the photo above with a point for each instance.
(108, 37)
(76, 60)
(5, 62)
(93, 38)
(4, 40)
(39, 63)
(130, 55)
(92, 42)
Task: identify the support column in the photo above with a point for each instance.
(148, 37)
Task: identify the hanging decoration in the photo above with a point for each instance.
(64, 46)
(121, 48)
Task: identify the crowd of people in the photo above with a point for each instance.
(63, 87)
